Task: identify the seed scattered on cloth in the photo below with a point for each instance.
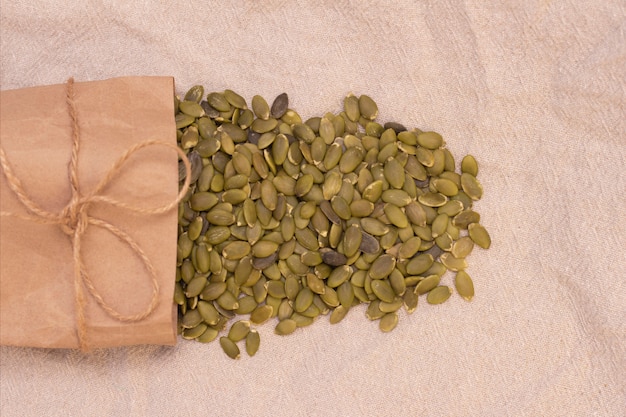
(291, 219)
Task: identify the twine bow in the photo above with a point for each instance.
(74, 220)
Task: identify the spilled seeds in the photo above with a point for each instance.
(291, 219)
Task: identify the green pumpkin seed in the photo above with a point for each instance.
(183, 120)
(374, 226)
(236, 250)
(191, 319)
(373, 311)
(439, 295)
(452, 263)
(264, 248)
(361, 208)
(352, 240)
(247, 304)
(285, 327)
(382, 267)
(239, 330)
(410, 248)
(195, 93)
(395, 305)
(339, 275)
(209, 335)
(479, 235)
(465, 218)
(398, 198)
(227, 301)
(462, 247)
(430, 140)
(194, 332)
(396, 216)
(351, 159)
(419, 264)
(439, 225)
(191, 108)
(203, 201)
(253, 341)
(394, 173)
(410, 301)
(432, 199)
(303, 132)
(264, 126)
(269, 194)
(230, 348)
(261, 313)
(382, 289)
(218, 102)
(195, 286)
(340, 207)
(338, 314)
(407, 138)
(260, 107)
(469, 165)
(445, 186)
(451, 208)
(220, 217)
(471, 186)
(351, 106)
(345, 293)
(290, 219)
(388, 322)
(367, 107)
(464, 285)
(332, 157)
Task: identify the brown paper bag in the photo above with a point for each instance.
(39, 292)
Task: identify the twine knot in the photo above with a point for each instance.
(74, 220)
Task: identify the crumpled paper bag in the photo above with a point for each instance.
(39, 296)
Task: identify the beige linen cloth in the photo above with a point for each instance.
(535, 90)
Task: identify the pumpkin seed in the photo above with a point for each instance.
(293, 219)
(351, 106)
(453, 263)
(218, 102)
(382, 289)
(345, 293)
(430, 140)
(410, 301)
(462, 247)
(239, 330)
(338, 314)
(230, 348)
(469, 165)
(439, 295)
(388, 322)
(260, 107)
(479, 235)
(285, 327)
(367, 107)
(279, 106)
(253, 341)
(464, 285)
(382, 267)
(432, 199)
(261, 313)
(471, 186)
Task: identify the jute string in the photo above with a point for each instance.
(74, 220)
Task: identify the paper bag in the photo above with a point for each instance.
(38, 285)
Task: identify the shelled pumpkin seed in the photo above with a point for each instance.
(290, 219)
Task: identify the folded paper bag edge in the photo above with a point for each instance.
(74, 220)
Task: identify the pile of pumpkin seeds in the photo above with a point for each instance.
(290, 219)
